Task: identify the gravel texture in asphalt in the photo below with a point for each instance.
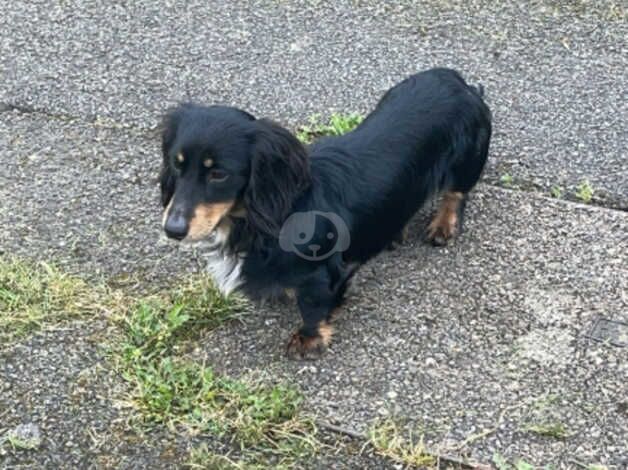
(487, 335)
(81, 193)
(554, 71)
(58, 387)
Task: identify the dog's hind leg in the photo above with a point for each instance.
(447, 223)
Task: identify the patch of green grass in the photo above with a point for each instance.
(338, 124)
(33, 295)
(204, 458)
(556, 191)
(164, 386)
(153, 324)
(506, 179)
(18, 443)
(556, 430)
(584, 191)
(502, 464)
(180, 393)
(523, 465)
(388, 440)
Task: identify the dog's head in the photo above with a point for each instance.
(221, 162)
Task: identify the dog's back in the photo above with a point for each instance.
(429, 133)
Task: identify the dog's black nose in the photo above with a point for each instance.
(176, 227)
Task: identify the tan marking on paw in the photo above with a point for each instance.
(326, 331)
(444, 225)
(310, 347)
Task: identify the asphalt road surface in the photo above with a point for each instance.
(476, 336)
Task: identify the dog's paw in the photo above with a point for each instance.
(439, 235)
(443, 228)
(305, 347)
(301, 346)
(446, 223)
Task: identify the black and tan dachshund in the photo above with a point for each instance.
(283, 217)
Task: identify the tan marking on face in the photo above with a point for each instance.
(180, 157)
(444, 225)
(206, 217)
(208, 162)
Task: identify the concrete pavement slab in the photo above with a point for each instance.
(554, 71)
(82, 192)
(478, 344)
(487, 337)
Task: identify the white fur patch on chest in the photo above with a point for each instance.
(226, 270)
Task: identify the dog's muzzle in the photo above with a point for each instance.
(176, 226)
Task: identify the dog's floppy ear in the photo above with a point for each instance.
(168, 134)
(280, 172)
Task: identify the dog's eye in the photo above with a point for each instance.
(178, 160)
(217, 176)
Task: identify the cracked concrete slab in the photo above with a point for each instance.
(553, 70)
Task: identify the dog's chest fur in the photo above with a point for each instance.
(226, 270)
(223, 266)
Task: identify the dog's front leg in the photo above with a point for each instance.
(316, 301)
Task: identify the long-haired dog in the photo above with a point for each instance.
(283, 217)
